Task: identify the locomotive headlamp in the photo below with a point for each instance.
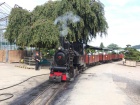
(59, 48)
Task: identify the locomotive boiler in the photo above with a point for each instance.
(68, 61)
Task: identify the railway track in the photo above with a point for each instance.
(46, 96)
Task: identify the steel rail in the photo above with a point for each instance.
(46, 96)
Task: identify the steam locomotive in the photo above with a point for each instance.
(71, 59)
(68, 61)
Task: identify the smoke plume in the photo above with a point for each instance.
(63, 20)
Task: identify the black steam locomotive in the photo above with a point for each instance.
(68, 61)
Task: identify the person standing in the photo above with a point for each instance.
(37, 60)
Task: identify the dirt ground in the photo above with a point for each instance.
(11, 75)
(108, 84)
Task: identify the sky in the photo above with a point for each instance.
(123, 17)
(123, 20)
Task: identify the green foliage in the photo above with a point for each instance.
(89, 50)
(132, 54)
(43, 52)
(102, 45)
(47, 53)
(113, 46)
(113, 52)
(44, 34)
(92, 21)
(51, 52)
(18, 19)
(37, 29)
(20, 48)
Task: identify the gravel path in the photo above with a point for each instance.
(108, 84)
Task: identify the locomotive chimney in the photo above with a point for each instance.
(62, 41)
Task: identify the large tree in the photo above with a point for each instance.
(34, 28)
(18, 19)
(102, 45)
(113, 46)
(92, 22)
(37, 28)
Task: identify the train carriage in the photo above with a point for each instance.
(96, 58)
(100, 57)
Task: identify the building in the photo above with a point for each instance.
(4, 13)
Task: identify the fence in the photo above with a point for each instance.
(11, 55)
(2, 56)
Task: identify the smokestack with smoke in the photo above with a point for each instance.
(62, 21)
